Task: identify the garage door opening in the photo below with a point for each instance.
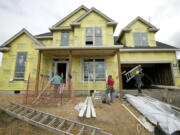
(158, 74)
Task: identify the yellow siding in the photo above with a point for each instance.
(93, 20)
(22, 43)
(138, 27)
(47, 42)
(77, 80)
(72, 18)
(78, 36)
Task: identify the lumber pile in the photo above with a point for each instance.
(87, 109)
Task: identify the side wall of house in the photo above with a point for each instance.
(22, 44)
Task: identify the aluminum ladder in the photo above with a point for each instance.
(131, 74)
(55, 124)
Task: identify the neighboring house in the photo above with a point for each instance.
(83, 45)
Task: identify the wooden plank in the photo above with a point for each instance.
(144, 125)
(119, 74)
(167, 87)
(83, 109)
(93, 132)
(88, 112)
(37, 73)
(92, 109)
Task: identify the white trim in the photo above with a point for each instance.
(69, 15)
(4, 49)
(100, 47)
(42, 37)
(146, 62)
(137, 50)
(18, 34)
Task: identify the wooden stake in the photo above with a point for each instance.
(37, 73)
(119, 74)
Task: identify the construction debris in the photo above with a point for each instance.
(156, 112)
(50, 122)
(141, 120)
(87, 109)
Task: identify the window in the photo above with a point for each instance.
(140, 39)
(94, 36)
(64, 38)
(20, 65)
(94, 69)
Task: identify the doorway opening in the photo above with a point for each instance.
(62, 69)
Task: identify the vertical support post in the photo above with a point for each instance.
(119, 74)
(69, 72)
(37, 73)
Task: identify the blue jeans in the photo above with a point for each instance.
(111, 94)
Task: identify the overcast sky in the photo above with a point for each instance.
(38, 15)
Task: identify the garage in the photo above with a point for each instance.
(155, 73)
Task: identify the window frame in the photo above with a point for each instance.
(138, 39)
(62, 39)
(15, 68)
(94, 36)
(94, 70)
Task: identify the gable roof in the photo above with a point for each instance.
(127, 28)
(20, 33)
(110, 21)
(69, 15)
(142, 20)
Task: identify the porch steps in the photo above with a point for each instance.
(55, 124)
(131, 74)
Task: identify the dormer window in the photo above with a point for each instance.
(64, 38)
(93, 36)
(140, 39)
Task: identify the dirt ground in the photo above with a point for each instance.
(110, 118)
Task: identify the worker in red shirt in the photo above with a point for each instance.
(110, 89)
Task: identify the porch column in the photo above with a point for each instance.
(37, 73)
(119, 74)
(69, 71)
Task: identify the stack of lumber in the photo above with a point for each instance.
(87, 109)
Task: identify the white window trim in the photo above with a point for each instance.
(93, 36)
(94, 78)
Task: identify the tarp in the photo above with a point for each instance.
(156, 111)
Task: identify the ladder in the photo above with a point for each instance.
(130, 74)
(55, 124)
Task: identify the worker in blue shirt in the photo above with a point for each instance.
(56, 82)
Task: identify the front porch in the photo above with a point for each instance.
(89, 66)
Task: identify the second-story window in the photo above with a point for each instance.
(64, 38)
(93, 36)
(140, 39)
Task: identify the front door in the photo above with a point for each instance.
(62, 70)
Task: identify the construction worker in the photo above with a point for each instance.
(56, 82)
(138, 77)
(110, 89)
